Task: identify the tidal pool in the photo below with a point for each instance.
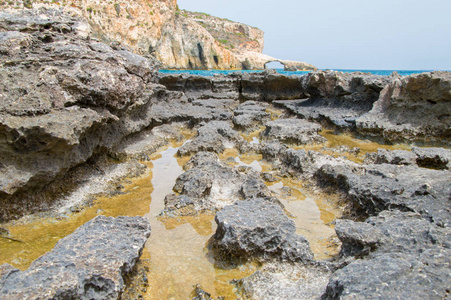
(176, 256)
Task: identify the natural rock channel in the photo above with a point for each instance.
(252, 186)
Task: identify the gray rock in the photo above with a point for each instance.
(250, 115)
(395, 157)
(208, 185)
(357, 237)
(142, 145)
(295, 131)
(201, 87)
(259, 229)
(411, 260)
(435, 158)
(64, 99)
(268, 86)
(215, 136)
(412, 108)
(374, 188)
(91, 263)
(285, 281)
(336, 98)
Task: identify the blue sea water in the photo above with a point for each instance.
(281, 71)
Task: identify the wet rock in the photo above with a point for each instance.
(259, 229)
(214, 136)
(395, 157)
(411, 108)
(208, 185)
(268, 177)
(357, 237)
(375, 188)
(434, 158)
(285, 281)
(411, 259)
(199, 294)
(142, 145)
(250, 115)
(295, 131)
(91, 263)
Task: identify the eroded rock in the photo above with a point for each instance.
(407, 256)
(412, 108)
(250, 115)
(294, 131)
(91, 263)
(259, 229)
(214, 136)
(209, 185)
(375, 188)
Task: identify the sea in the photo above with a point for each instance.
(281, 71)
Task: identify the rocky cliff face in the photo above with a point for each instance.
(178, 39)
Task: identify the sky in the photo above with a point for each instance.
(346, 34)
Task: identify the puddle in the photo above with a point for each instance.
(335, 141)
(175, 256)
(312, 212)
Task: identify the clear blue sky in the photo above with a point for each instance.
(346, 34)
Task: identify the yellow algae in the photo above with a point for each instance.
(275, 113)
(334, 141)
(200, 223)
(179, 259)
(249, 137)
(40, 235)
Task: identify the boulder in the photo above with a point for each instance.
(374, 188)
(250, 115)
(214, 136)
(259, 229)
(294, 131)
(434, 158)
(91, 263)
(406, 256)
(208, 185)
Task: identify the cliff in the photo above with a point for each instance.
(178, 39)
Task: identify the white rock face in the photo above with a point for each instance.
(179, 39)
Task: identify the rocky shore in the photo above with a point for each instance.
(73, 109)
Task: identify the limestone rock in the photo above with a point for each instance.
(209, 185)
(411, 259)
(375, 188)
(396, 157)
(250, 115)
(91, 263)
(435, 158)
(412, 108)
(214, 136)
(294, 131)
(336, 98)
(285, 281)
(259, 229)
(63, 98)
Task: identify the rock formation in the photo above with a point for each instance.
(68, 101)
(91, 263)
(178, 39)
